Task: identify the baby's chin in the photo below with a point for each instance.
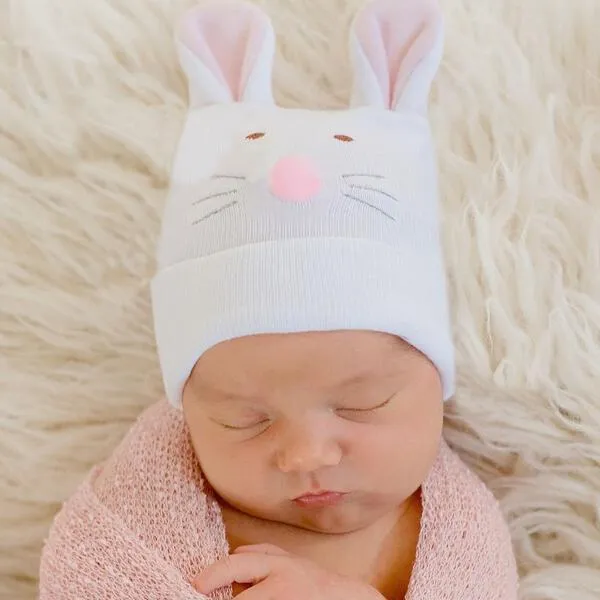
(334, 524)
(344, 518)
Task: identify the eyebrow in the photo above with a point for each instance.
(354, 380)
(208, 393)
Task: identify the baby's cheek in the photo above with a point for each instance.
(243, 477)
(370, 451)
(394, 460)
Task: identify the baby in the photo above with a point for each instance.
(302, 326)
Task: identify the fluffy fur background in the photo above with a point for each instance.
(91, 103)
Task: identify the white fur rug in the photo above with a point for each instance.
(91, 101)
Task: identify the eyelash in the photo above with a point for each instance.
(368, 410)
(347, 410)
(231, 428)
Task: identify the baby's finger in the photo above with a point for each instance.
(261, 549)
(235, 568)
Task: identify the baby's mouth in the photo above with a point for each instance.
(319, 499)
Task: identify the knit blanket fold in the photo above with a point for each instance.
(144, 523)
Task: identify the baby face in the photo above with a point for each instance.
(276, 419)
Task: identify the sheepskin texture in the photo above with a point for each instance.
(91, 104)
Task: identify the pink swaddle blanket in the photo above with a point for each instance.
(149, 525)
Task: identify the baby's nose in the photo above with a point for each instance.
(294, 179)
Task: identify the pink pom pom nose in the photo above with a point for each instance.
(295, 179)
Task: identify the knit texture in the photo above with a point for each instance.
(143, 524)
(284, 220)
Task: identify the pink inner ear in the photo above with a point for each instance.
(395, 36)
(227, 44)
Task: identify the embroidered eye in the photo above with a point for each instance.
(344, 138)
(255, 136)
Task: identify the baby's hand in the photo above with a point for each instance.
(274, 574)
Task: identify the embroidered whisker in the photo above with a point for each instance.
(372, 189)
(371, 205)
(217, 195)
(238, 177)
(347, 175)
(215, 212)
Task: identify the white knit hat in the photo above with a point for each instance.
(287, 220)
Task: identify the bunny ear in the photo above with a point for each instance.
(226, 50)
(396, 48)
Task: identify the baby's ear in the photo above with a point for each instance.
(226, 50)
(396, 47)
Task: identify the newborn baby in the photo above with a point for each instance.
(302, 326)
(318, 444)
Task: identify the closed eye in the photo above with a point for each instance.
(243, 427)
(370, 409)
(343, 138)
(241, 421)
(257, 135)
